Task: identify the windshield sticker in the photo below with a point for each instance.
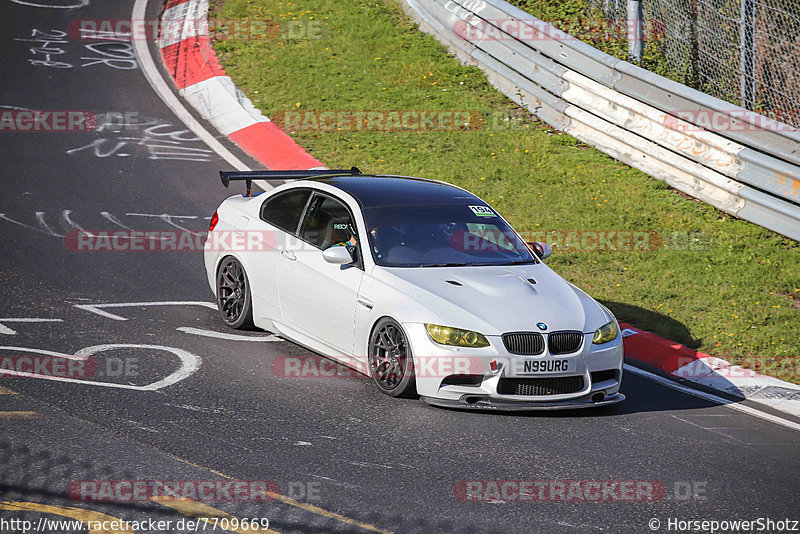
(482, 211)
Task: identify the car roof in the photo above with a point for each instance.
(372, 191)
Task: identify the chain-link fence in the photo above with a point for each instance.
(746, 52)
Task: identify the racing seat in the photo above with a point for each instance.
(336, 231)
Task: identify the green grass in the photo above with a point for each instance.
(721, 285)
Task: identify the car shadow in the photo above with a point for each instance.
(644, 394)
(654, 322)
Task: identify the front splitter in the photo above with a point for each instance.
(494, 404)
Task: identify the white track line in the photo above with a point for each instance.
(10, 332)
(97, 308)
(712, 398)
(223, 335)
(163, 90)
(190, 363)
(76, 356)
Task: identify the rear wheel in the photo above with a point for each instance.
(234, 301)
(390, 362)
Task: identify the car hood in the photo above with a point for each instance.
(495, 300)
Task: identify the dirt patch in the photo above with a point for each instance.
(794, 298)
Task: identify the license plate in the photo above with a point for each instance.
(547, 366)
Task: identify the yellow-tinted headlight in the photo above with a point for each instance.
(447, 335)
(606, 333)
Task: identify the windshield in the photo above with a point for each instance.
(443, 236)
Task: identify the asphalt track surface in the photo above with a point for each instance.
(348, 458)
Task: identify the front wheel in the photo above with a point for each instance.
(234, 300)
(390, 362)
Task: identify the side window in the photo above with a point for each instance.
(285, 209)
(327, 223)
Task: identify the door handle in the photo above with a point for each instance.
(288, 254)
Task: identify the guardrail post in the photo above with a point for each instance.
(635, 34)
(747, 69)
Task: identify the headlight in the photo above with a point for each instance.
(606, 333)
(446, 335)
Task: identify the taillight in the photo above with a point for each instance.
(214, 221)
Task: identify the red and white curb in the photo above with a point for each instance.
(681, 362)
(189, 58)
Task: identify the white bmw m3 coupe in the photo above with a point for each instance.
(416, 283)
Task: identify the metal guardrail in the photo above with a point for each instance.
(750, 168)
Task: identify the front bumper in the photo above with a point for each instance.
(473, 402)
(599, 366)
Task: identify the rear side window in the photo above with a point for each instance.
(285, 209)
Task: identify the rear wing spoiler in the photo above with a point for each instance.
(248, 176)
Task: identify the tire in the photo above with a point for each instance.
(391, 364)
(234, 301)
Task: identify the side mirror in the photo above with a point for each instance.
(542, 250)
(337, 255)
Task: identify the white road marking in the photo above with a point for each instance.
(190, 363)
(67, 220)
(9, 332)
(367, 464)
(39, 218)
(712, 430)
(159, 85)
(713, 398)
(223, 335)
(75, 356)
(4, 217)
(45, 5)
(97, 308)
(161, 216)
(111, 218)
(168, 219)
(43, 224)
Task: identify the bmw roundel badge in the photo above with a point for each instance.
(541, 326)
